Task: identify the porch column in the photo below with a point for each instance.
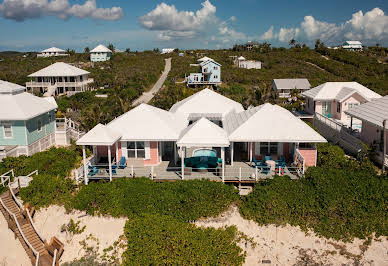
(351, 122)
(231, 153)
(384, 143)
(250, 151)
(117, 154)
(175, 154)
(110, 163)
(85, 169)
(183, 162)
(223, 163)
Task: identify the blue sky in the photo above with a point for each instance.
(38, 24)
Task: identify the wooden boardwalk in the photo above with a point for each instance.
(20, 222)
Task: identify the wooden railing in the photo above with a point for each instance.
(5, 178)
(59, 83)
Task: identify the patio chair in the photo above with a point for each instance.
(267, 158)
(256, 162)
(93, 171)
(123, 163)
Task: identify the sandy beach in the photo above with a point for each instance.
(289, 245)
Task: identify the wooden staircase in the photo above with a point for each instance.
(20, 222)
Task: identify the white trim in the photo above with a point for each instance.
(37, 125)
(11, 126)
(147, 150)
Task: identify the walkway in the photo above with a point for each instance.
(147, 96)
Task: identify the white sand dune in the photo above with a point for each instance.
(289, 244)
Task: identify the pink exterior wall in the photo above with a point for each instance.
(310, 107)
(370, 133)
(309, 155)
(154, 154)
(355, 98)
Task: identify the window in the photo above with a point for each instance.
(338, 107)
(49, 116)
(7, 128)
(264, 148)
(273, 148)
(216, 67)
(215, 76)
(39, 125)
(268, 148)
(135, 149)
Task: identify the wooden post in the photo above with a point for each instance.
(132, 171)
(351, 122)
(85, 169)
(183, 162)
(239, 174)
(223, 163)
(152, 172)
(384, 143)
(256, 173)
(231, 153)
(110, 163)
(117, 154)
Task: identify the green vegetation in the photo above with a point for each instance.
(341, 198)
(162, 240)
(183, 200)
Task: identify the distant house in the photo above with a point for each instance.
(210, 74)
(248, 64)
(372, 115)
(285, 86)
(333, 99)
(53, 51)
(59, 78)
(27, 122)
(204, 59)
(100, 54)
(352, 45)
(167, 50)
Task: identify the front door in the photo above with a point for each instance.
(167, 150)
(326, 109)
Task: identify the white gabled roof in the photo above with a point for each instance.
(353, 42)
(241, 58)
(101, 49)
(204, 63)
(99, 135)
(146, 122)
(302, 84)
(15, 104)
(374, 112)
(10, 88)
(269, 123)
(203, 133)
(59, 69)
(206, 101)
(204, 59)
(330, 90)
(53, 50)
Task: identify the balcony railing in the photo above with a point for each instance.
(284, 94)
(59, 83)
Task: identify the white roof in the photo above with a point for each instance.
(20, 105)
(10, 88)
(301, 84)
(338, 90)
(208, 61)
(203, 133)
(241, 58)
(204, 59)
(374, 112)
(353, 42)
(269, 123)
(59, 69)
(99, 135)
(146, 122)
(206, 101)
(53, 50)
(101, 49)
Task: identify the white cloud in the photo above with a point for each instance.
(173, 23)
(369, 28)
(21, 10)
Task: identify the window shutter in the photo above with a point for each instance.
(147, 150)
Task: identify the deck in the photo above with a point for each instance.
(240, 172)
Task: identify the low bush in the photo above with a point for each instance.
(162, 240)
(45, 190)
(184, 200)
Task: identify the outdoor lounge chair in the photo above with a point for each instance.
(93, 171)
(123, 163)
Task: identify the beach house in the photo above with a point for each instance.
(205, 135)
(210, 73)
(53, 51)
(59, 79)
(27, 122)
(100, 54)
(241, 62)
(352, 45)
(284, 86)
(332, 99)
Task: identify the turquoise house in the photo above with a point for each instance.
(100, 54)
(27, 122)
(210, 74)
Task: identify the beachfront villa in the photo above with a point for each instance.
(241, 62)
(59, 79)
(372, 115)
(206, 135)
(352, 45)
(210, 73)
(27, 122)
(100, 54)
(332, 99)
(284, 86)
(53, 51)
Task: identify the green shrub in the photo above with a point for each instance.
(162, 240)
(184, 200)
(45, 190)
